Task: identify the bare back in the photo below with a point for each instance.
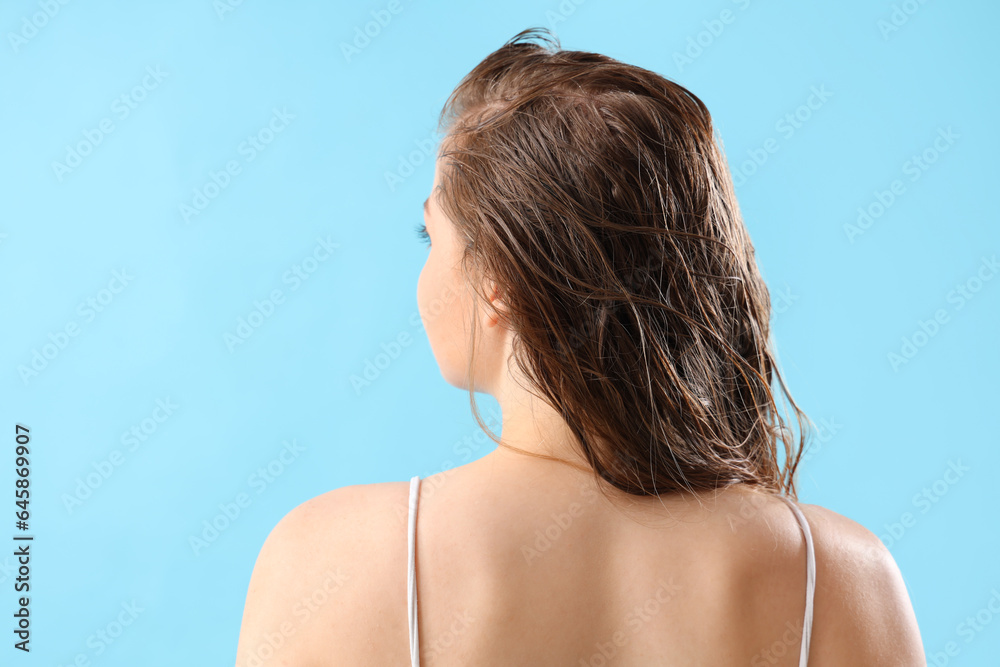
(558, 575)
(539, 568)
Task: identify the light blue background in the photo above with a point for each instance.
(887, 433)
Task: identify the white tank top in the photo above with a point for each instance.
(411, 596)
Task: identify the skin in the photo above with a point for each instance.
(521, 561)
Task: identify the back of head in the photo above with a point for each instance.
(597, 195)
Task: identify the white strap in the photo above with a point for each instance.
(810, 581)
(411, 595)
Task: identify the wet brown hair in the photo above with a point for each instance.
(597, 196)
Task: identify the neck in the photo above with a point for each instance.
(532, 426)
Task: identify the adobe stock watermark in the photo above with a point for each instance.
(131, 440)
(429, 485)
(585, 329)
(927, 329)
(31, 25)
(264, 309)
(634, 621)
(970, 628)
(121, 108)
(632, 279)
(375, 366)
(303, 610)
(364, 34)
(786, 127)
(248, 149)
(923, 501)
(88, 309)
(469, 445)
(223, 7)
(461, 621)
(407, 164)
(779, 647)
(914, 167)
(898, 17)
(826, 430)
(229, 511)
(701, 41)
(8, 568)
(561, 13)
(105, 636)
(753, 503)
(465, 448)
(782, 299)
(546, 538)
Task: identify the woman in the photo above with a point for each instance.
(600, 284)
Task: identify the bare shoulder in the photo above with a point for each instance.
(862, 610)
(325, 517)
(324, 572)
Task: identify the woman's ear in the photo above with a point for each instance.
(497, 308)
